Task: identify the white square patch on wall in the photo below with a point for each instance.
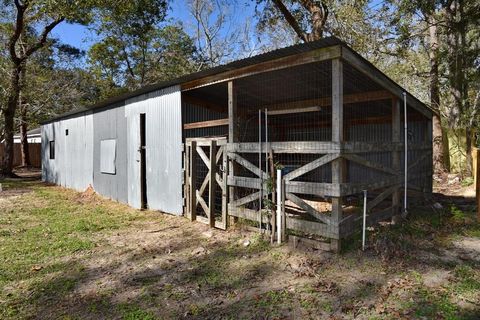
(107, 156)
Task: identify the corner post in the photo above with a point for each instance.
(212, 183)
(337, 136)
(193, 177)
(232, 138)
(396, 139)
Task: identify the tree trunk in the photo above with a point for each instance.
(439, 161)
(24, 138)
(9, 117)
(318, 17)
(23, 120)
(318, 11)
(468, 152)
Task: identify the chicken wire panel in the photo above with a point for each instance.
(358, 173)
(205, 104)
(297, 101)
(200, 175)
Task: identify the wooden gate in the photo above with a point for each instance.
(206, 181)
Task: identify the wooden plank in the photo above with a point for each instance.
(382, 196)
(396, 138)
(219, 154)
(205, 124)
(370, 164)
(203, 103)
(338, 165)
(353, 188)
(187, 182)
(309, 209)
(304, 147)
(293, 109)
(317, 163)
(205, 182)
(223, 223)
(219, 181)
(247, 199)
(232, 132)
(203, 220)
(205, 141)
(419, 160)
(314, 188)
(193, 176)
(244, 182)
(320, 54)
(212, 184)
(311, 227)
(247, 214)
(314, 105)
(202, 203)
(204, 157)
(376, 75)
(247, 165)
(311, 243)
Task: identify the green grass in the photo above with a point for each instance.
(47, 235)
(40, 228)
(134, 312)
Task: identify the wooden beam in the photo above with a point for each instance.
(308, 208)
(206, 124)
(247, 199)
(244, 182)
(314, 188)
(317, 163)
(337, 136)
(376, 75)
(396, 138)
(304, 147)
(247, 165)
(202, 203)
(247, 214)
(382, 196)
(212, 184)
(223, 223)
(311, 56)
(311, 227)
(313, 105)
(203, 103)
(204, 157)
(193, 177)
(369, 164)
(232, 135)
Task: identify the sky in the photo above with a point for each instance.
(79, 36)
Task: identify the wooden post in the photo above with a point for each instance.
(477, 185)
(396, 138)
(232, 137)
(212, 184)
(186, 168)
(193, 174)
(337, 136)
(224, 189)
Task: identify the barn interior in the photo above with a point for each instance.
(292, 106)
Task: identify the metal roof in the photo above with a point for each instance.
(237, 64)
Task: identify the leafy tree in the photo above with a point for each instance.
(119, 64)
(135, 49)
(17, 17)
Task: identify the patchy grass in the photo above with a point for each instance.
(41, 227)
(72, 255)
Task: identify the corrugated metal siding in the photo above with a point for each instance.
(162, 110)
(111, 124)
(72, 166)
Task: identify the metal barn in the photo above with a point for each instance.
(208, 145)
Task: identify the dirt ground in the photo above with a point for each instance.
(157, 266)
